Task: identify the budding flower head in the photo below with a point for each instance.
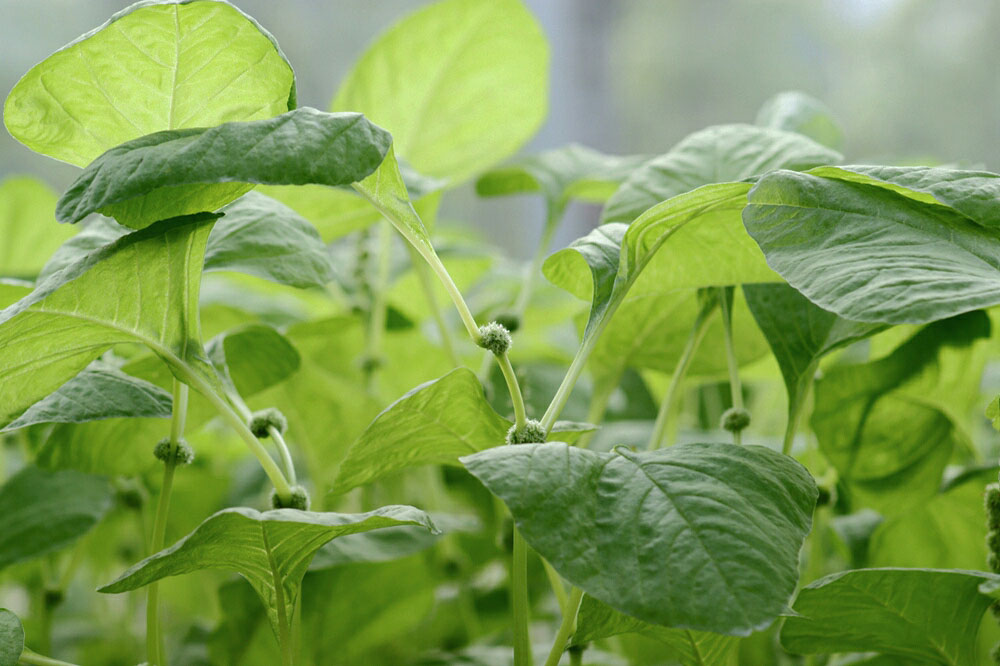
(735, 419)
(495, 337)
(299, 499)
(180, 453)
(260, 421)
(532, 433)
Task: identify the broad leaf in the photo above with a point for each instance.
(919, 614)
(27, 226)
(11, 638)
(696, 536)
(271, 550)
(461, 84)
(151, 67)
(43, 511)
(12, 291)
(794, 111)
(262, 237)
(723, 153)
(94, 233)
(78, 313)
(435, 423)
(253, 358)
(101, 391)
(177, 172)
(870, 254)
(597, 620)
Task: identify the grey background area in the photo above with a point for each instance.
(910, 80)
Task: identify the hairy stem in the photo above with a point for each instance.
(735, 387)
(566, 628)
(520, 416)
(520, 603)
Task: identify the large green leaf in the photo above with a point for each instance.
(435, 423)
(253, 357)
(27, 217)
(461, 84)
(153, 66)
(696, 536)
(919, 614)
(177, 172)
(271, 550)
(597, 620)
(101, 391)
(43, 511)
(76, 314)
(794, 111)
(867, 253)
(11, 638)
(714, 155)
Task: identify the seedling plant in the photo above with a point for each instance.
(739, 422)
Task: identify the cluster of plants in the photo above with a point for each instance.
(275, 411)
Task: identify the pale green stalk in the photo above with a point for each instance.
(566, 628)
(556, 582)
(520, 603)
(520, 415)
(35, 659)
(425, 283)
(735, 387)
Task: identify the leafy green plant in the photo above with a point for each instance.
(759, 439)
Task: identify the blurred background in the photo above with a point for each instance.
(911, 81)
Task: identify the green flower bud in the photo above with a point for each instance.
(495, 337)
(735, 419)
(299, 499)
(182, 454)
(532, 433)
(260, 421)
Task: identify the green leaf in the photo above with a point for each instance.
(262, 237)
(723, 153)
(43, 511)
(78, 313)
(919, 614)
(696, 536)
(101, 391)
(11, 638)
(12, 291)
(461, 84)
(94, 233)
(435, 423)
(153, 66)
(253, 358)
(597, 620)
(177, 172)
(570, 172)
(27, 217)
(386, 190)
(869, 254)
(271, 550)
(795, 111)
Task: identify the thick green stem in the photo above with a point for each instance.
(420, 268)
(566, 628)
(519, 602)
(520, 415)
(154, 643)
(735, 387)
(660, 429)
(35, 659)
(576, 657)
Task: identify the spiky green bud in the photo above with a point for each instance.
(495, 337)
(179, 454)
(261, 420)
(532, 433)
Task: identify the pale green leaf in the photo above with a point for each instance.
(76, 314)
(795, 111)
(27, 226)
(696, 536)
(271, 550)
(869, 254)
(919, 614)
(12, 291)
(597, 620)
(43, 511)
(723, 153)
(11, 638)
(101, 391)
(153, 66)
(461, 84)
(94, 233)
(177, 172)
(435, 423)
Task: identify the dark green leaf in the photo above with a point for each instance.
(697, 536)
(434, 423)
(177, 172)
(153, 66)
(11, 638)
(794, 111)
(919, 614)
(43, 511)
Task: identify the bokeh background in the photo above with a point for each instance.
(911, 81)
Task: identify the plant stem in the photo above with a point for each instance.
(420, 268)
(660, 434)
(284, 452)
(519, 602)
(520, 416)
(795, 410)
(556, 582)
(576, 657)
(735, 387)
(154, 643)
(35, 659)
(566, 628)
